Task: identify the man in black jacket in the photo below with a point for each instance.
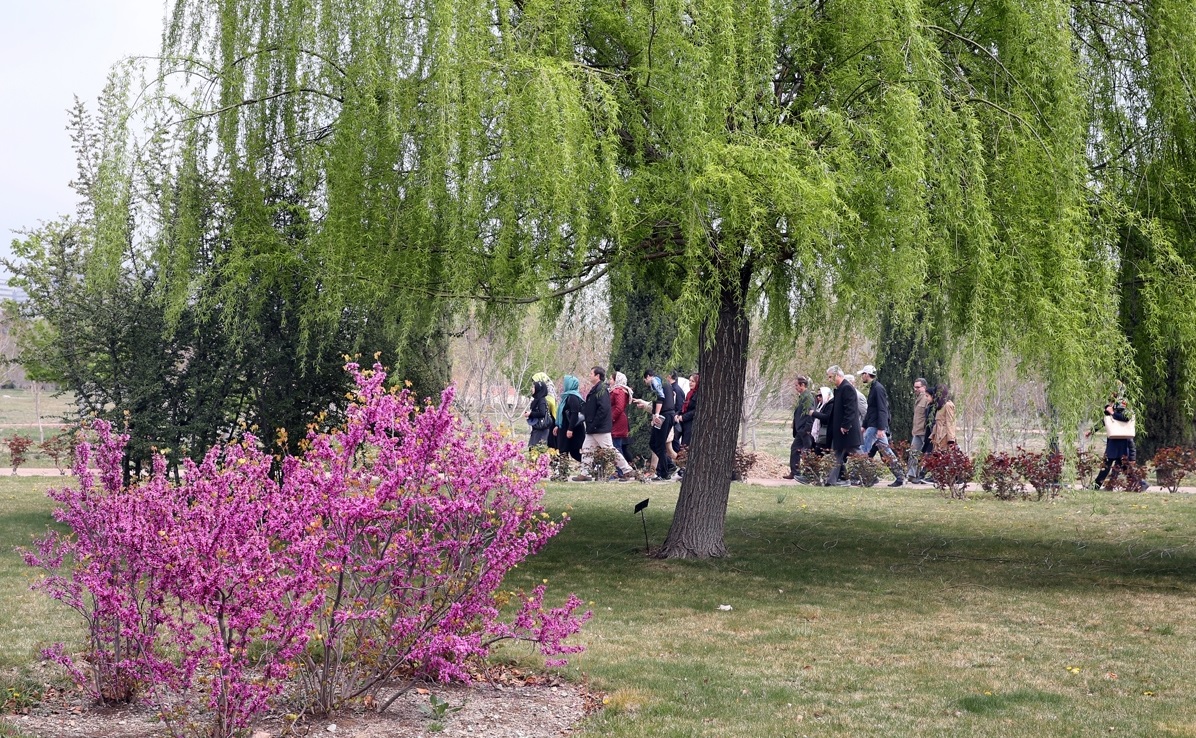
(679, 392)
(876, 424)
(598, 424)
(842, 418)
(803, 423)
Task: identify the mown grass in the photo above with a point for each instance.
(28, 620)
(886, 612)
(19, 407)
(18, 416)
(855, 612)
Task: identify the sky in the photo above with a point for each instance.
(52, 51)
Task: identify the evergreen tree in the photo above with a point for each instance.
(644, 336)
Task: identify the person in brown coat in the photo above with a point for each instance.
(944, 419)
(922, 400)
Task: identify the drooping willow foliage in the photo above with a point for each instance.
(837, 157)
(1140, 62)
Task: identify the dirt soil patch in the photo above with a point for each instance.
(526, 708)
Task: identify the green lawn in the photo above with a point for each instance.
(876, 612)
(28, 620)
(887, 612)
(17, 407)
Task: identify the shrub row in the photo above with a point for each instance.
(1011, 476)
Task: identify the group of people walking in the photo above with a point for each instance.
(579, 424)
(839, 419)
(842, 419)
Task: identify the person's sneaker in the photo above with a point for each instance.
(801, 479)
(582, 478)
(897, 482)
(1145, 485)
(840, 483)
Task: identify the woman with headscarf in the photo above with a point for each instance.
(550, 397)
(818, 429)
(538, 416)
(570, 428)
(620, 398)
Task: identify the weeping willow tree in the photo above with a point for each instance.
(818, 161)
(1140, 59)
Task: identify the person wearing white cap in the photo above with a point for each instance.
(876, 424)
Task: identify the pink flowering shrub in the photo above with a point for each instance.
(200, 595)
(377, 560)
(424, 519)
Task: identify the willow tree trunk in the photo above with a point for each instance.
(700, 516)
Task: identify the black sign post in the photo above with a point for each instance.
(640, 509)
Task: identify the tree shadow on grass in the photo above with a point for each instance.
(870, 549)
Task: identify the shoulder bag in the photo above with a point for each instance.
(1119, 428)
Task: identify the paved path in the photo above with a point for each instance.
(757, 481)
(27, 471)
(972, 487)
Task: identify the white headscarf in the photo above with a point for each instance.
(621, 383)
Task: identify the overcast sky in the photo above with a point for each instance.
(51, 51)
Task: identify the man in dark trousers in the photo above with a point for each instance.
(842, 419)
(876, 424)
(662, 404)
(598, 428)
(679, 391)
(803, 422)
